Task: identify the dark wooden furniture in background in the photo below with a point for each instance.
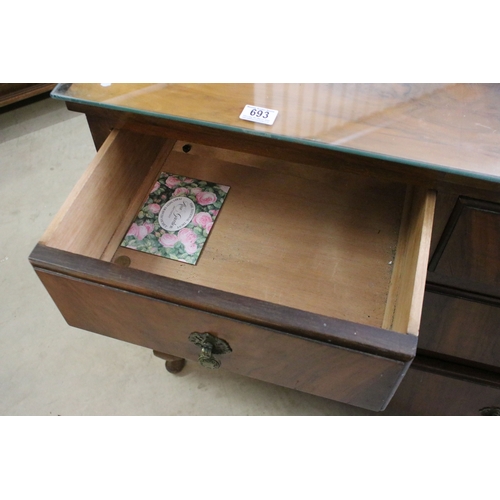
(11, 93)
(332, 303)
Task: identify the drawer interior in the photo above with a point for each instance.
(325, 241)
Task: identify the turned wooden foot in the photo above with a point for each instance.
(173, 364)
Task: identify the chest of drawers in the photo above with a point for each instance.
(314, 273)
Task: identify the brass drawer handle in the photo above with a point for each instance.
(210, 345)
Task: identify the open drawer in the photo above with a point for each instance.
(314, 277)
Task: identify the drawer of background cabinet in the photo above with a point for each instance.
(438, 388)
(315, 261)
(461, 325)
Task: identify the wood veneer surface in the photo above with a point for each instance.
(325, 247)
(464, 328)
(315, 367)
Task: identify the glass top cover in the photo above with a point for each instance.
(449, 127)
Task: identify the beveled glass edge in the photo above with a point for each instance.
(306, 142)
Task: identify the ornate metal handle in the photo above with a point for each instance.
(210, 345)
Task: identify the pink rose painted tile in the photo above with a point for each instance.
(176, 218)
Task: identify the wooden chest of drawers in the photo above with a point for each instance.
(314, 273)
(314, 277)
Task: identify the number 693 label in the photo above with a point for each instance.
(259, 115)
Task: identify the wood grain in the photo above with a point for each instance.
(324, 246)
(400, 129)
(129, 210)
(11, 93)
(340, 234)
(95, 207)
(315, 327)
(468, 254)
(463, 328)
(406, 294)
(99, 128)
(314, 367)
(438, 388)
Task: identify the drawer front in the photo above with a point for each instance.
(461, 328)
(319, 368)
(468, 253)
(427, 391)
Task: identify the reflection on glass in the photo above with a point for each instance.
(441, 126)
(315, 110)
